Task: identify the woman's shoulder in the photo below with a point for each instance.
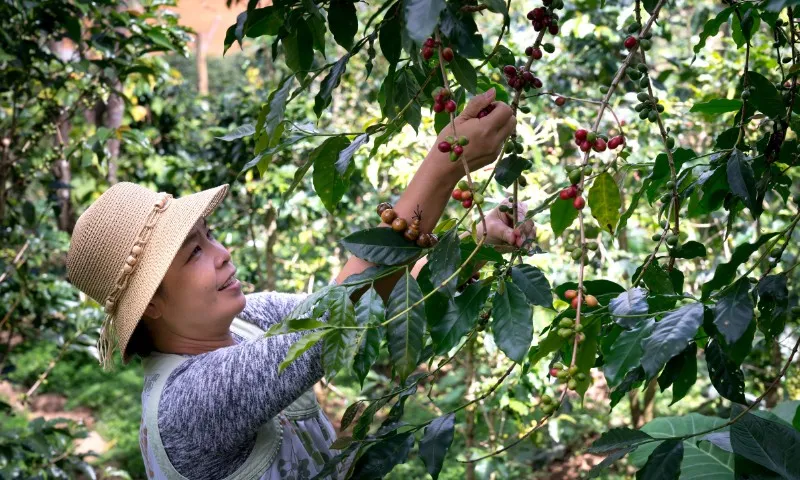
(269, 306)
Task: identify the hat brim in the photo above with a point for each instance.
(166, 239)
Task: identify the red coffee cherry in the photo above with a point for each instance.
(616, 142)
(457, 194)
(553, 372)
(553, 29)
(599, 145)
(580, 134)
(560, 101)
(630, 42)
(536, 54)
(510, 70)
(450, 106)
(585, 146)
(458, 150)
(430, 42)
(467, 203)
(438, 107)
(447, 54)
(579, 203)
(427, 53)
(444, 147)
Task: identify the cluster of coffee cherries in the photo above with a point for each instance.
(542, 18)
(428, 48)
(572, 296)
(586, 140)
(410, 232)
(466, 196)
(454, 146)
(570, 375)
(486, 110)
(442, 101)
(520, 78)
(576, 254)
(671, 239)
(632, 40)
(548, 404)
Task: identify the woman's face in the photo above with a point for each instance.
(199, 296)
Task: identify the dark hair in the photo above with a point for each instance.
(141, 343)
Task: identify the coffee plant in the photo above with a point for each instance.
(689, 302)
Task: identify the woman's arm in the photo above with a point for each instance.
(433, 183)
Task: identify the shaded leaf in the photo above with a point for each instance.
(765, 97)
(437, 440)
(742, 181)
(381, 245)
(421, 17)
(329, 184)
(711, 28)
(406, 331)
(462, 312)
(689, 250)
(369, 310)
(773, 304)
(534, 284)
(618, 439)
(562, 214)
(631, 302)
(464, 73)
(329, 83)
(343, 22)
(734, 312)
(767, 443)
(444, 259)
(349, 415)
(725, 375)
(670, 336)
(239, 132)
(383, 456)
(726, 272)
(389, 35)
(512, 324)
(680, 373)
(626, 352)
(664, 463)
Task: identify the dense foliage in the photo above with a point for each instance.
(656, 146)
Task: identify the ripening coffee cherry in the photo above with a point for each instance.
(572, 384)
(427, 53)
(399, 225)
(438, 107)
(656, 237)
(591, 301)
(560, 101)
(447, 54)
(566, 323)
(450, 106)
(457, 194)
(458, 150)
(630, 42)
(591, 137)
(581, 134)
(510, 70)
(467, 203)
(579, 203)
(593, 246)
(570, 294)
(477, 198)
(599, 145)
(466, 195)
(577, 254)
(444, 147)
(554, 372)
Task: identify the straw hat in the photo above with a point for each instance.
(121, 248)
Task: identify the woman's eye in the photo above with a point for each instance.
(195, 251)
(210, 233)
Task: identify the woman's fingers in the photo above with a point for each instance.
(476, 104)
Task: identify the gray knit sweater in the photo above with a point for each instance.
(214, 403)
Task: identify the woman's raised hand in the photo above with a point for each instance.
(500, 229)
(486, 135)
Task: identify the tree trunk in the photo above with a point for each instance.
(115, 108)
(63, 177)
(202, 66)
(270, 221)
(649, 407)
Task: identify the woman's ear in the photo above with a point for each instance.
(152, 311)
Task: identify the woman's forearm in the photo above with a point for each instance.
(427, 192)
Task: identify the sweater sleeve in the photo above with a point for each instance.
(214, 403)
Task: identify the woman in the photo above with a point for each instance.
(214, 405)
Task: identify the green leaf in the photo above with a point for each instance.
(444, 260)
(346, 155)
(389, 35)
(680, 373)
(734, 312)
(562, 214)
(765, 97)
(294, 325)
(632, 380)
(329, 184)
(464, 73)
(618, 439)
(604, 201)
(550, 344)
(329, 83)
(725, 375)
(773, 305)
(406, 332)
(382, 246)
(299, 49)
(421, 17)
(462, 312)
(717, 106)
(300, 346)
(534, 284)
(160, 38)
(405, 93)
(701, 461)
(664, 463)
(435, 443)
(623, 220)
(365, 420)
(670, 337)
(657, 279)
(726, 272)
(318, 31)
(269, 127)
(625, 354)
(689, 250)
(239, 132)
(509, 169)
(742, 181)
(349, 415)
(339, 347)
(460, 28)
(382, 456)
(742, 31)
(369, 311)
(343, 22)
(711, 28)
(767, 443)
(512, 324)
(613, 457)
(631, 302)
